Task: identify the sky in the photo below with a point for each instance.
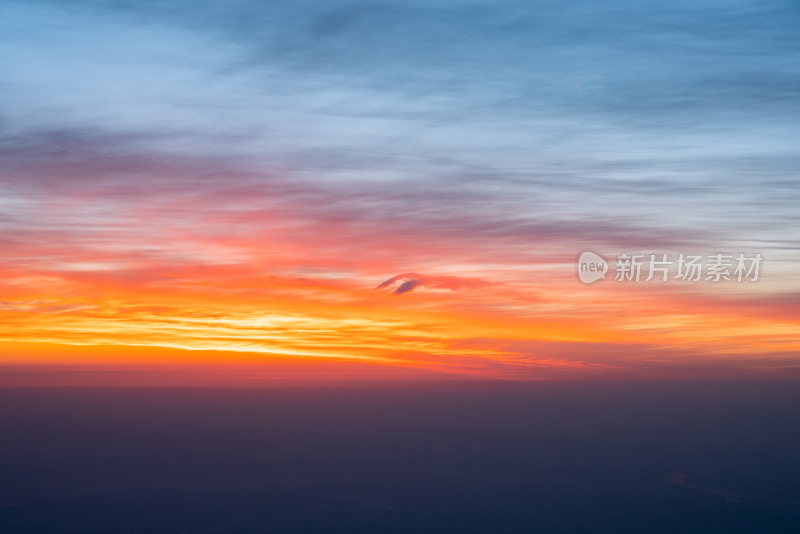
(245, 191)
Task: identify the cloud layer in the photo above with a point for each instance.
(241, 176)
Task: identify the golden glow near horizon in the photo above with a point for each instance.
(509, 327)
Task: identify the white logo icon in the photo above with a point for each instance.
(591, 267)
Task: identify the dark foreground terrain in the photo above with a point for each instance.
(479, 457)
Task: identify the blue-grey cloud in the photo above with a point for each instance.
(621, 123)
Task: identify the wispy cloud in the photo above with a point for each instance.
(160, 156)
(409, 281)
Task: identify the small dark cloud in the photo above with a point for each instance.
(409, 281)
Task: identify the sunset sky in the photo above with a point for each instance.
(217, 191)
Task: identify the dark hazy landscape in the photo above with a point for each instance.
(456, 457)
